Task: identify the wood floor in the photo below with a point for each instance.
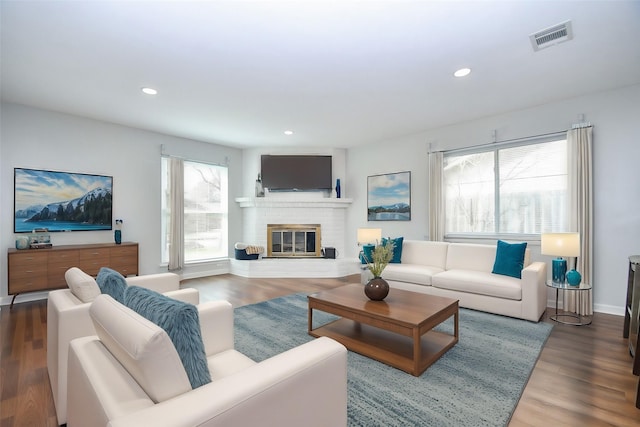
(582, 378)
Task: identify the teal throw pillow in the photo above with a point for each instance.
(397, 249)
(509, 259)
(111, 283)
(366, 256)
(181, 322)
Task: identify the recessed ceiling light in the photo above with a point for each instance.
(149, 91)
(462, 72)
(288, 132)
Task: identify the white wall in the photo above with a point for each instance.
(40, 139)
(614, 115)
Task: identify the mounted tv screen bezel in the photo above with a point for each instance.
(296, 172)
(67, 193)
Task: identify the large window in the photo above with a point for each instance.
(515, 189)
(205, 211)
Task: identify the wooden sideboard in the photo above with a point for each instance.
(32, 270)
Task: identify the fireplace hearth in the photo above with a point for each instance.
(293, 240)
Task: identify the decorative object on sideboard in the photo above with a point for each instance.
(40, 239)
(561, 245)
(22, 242)
(377, 288)
(117, 234)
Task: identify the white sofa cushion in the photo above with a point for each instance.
(470, 256)
(82, 286)
(479, 282)
(413, 273)
(422, 252)
(142, 347)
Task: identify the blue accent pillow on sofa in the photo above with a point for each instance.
(366, 256)
(509, 259)
(111, 283)
(181, 322)
(397, 249)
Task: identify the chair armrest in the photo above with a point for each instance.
(67, 318)
(216, 326)
(100, 388)
(305, 386)
(534, 291)
(189, 295)
(161, 282)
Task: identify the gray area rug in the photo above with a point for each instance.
(476, 383)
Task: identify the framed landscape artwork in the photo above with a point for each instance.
(389, 197)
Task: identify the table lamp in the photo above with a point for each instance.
(368, 238)
(561, 245)
(369, 235)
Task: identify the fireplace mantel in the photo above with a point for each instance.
(309, 202)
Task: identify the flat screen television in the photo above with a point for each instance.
(61, 201)
(296, 172)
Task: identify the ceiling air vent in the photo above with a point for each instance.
(551, 36)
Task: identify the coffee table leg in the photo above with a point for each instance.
(456, 322)
(310, 318)
(416, 352)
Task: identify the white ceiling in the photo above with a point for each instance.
(338, 73)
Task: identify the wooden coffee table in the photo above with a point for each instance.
(396, 331)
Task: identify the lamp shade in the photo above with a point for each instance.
(560, 244)
(369, 235)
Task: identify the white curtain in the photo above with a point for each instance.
(579, 142)
(436, 202)
(176, 220)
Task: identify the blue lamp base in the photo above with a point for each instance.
(559, 270)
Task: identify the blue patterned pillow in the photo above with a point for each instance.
(509, 259)
(181, 322)
(111, 283)
(397, 249)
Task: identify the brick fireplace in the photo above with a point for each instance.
(295, 209)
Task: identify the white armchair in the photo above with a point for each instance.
(113, 375)
(68, 318)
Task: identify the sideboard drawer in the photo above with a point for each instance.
(27, 283)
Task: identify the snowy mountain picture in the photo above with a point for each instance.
(389, 197)
(62, 201)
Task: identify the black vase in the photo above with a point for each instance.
(377, 289)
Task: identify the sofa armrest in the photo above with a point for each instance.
(279, 391)
(216, 326)
(161, 282)
(188, 295)
(534, 291)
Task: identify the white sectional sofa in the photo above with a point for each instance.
(464, 272)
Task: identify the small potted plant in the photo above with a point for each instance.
(377, 288)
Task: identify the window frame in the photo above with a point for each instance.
(495, 148)
(224, 196)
